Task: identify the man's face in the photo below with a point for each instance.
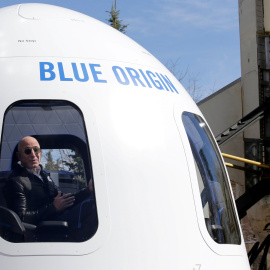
(29, 159)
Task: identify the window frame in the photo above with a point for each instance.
(221, 249)
(213, 180)
(67, 248)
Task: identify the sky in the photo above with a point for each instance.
(196, 38)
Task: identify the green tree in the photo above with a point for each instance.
(75, 165)
(50, 164)
(114, 20)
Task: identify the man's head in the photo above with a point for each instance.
(29, 153)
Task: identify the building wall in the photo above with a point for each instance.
(249, 25)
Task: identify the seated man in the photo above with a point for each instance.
(32, 194)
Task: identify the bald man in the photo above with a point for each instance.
(31, 193)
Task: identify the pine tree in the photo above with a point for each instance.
(75, 165)
(51, 165)
(114, 20)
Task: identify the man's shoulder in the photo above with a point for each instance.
(19, 175)
(18, 170)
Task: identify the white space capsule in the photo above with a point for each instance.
(161, 196)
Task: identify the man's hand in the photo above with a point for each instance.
(63, 202)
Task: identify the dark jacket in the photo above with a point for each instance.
(31, 198)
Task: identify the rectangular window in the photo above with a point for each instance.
(56, 202)
(219, 214)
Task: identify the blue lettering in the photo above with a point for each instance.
(124, 80)
(123, 76)
(145, 78)
(156, 83)
(76, 73)
(169, 83)
(135, 76)
(162, 82)
(48, 70)
(95, 73)
(61, 73)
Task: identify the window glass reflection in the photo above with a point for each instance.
(46, 184)
(216, 198)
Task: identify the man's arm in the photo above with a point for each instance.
(17, 201)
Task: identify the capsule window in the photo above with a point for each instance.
(46, 182)
(216, 199)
